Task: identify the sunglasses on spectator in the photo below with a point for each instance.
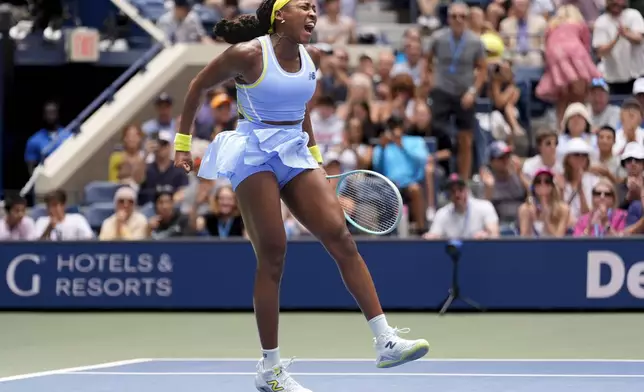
(602, 193)
(458, 16)
(579, 154)
(543, 181)
(633, 160)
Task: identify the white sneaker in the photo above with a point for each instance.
(276, 379)
(394, 351)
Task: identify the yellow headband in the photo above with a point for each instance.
(278, 5)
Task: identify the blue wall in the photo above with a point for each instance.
(516, 274)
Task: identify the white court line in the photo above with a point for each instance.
(370, 360)
(364, 374)
(73, 369)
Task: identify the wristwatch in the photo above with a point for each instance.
(472, 90)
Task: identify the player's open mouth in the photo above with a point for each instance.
(309, 27)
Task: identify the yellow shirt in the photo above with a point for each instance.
(134, 229)
(115, 163)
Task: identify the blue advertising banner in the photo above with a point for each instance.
(509, 274)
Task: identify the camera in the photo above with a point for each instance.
(453, 248)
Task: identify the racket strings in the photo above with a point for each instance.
(369, 201)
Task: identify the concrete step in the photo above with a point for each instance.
(375, 16)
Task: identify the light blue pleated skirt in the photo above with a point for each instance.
(252, 148)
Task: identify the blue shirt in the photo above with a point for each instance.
(402, 165)
(634, 213)
(41, 144)
(152, 126)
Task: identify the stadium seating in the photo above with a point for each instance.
(97, 213)
(100, 192)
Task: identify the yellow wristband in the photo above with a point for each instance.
(182, 142)
(315, 151)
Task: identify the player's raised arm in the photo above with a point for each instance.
(231, 63)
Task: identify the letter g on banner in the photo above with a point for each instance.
(11, 276)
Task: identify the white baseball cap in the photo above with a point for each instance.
(638, 86)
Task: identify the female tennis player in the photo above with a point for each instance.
(266, 158)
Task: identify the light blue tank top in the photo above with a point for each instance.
(277, 95)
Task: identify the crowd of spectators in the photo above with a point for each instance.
(411, 113)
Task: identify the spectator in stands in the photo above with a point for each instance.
(360, 89)
(543, 214)
(333, 27)
(363, 112)
(569, 67)
(604, 218)
(60, 225)
(224, 120)
(204, 121)
(168, 221)
(384, 66)
(126, 223)
(633, 161)
(546, 158)
(638, 92)
(576, 125)
(44, 142)
(617, 37)
(162, 172)
(502, 181)
(401, 102)
(458, 75)
(524, 32)
(601, 111)
(334, 80)
(224, 219)
(365, 66)
(476, 21)
(354, 153)
(164, 120)
(504, 95)
(16, 225)
(413, 65)
(402, 159)
(128, 166)
(607, 164)
(428, 17)
(635, 215)
(494, 14)
(248, 6)
(327, 125)
(438, 165)
(464, 216)
(181, 24)
(631, 130)
(578, 181)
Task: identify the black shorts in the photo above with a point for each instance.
(444, 106)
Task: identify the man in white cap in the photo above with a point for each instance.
(633, 162)
(126, 223)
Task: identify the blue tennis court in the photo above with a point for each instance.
(342, 375)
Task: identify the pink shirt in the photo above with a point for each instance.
(617, 224)
(25, 230)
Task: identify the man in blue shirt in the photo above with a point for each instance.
(164, 120)
(44, 142)
(402, 159)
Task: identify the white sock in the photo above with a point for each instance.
(379, 325)
(271, 358)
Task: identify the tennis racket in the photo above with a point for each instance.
(371, 202)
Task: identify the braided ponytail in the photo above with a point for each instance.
(245, 28)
